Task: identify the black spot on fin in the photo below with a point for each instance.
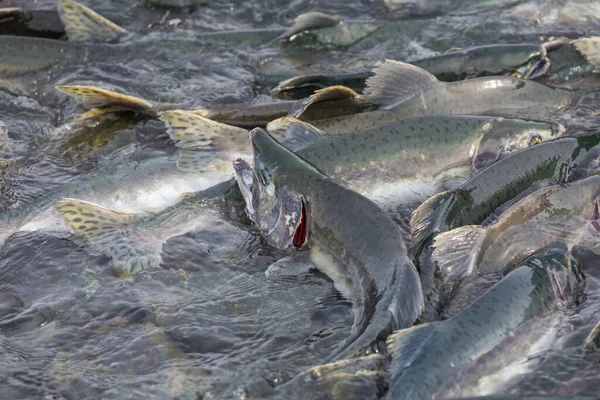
(590, 49)
(199, 139)
(83, 24)
(94, 97)
(111, 232)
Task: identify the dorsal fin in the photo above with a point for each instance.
(83, 24)
(590, 49)
(110, 231)
(93, 97)
(309, 21)
(198, 138)
(395, 81)
(405, 346)
(332, 93)
(293, 133)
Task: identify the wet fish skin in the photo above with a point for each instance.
(38, 23)
(345, 235)
(472, 62)
(21, 55)
(428, 146)
(469, 257)
(505, 180)
(503, 183)
(498, 96)
(440, 351)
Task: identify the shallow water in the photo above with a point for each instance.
(208, 323)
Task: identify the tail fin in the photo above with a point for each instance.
(84, 24)
(398, 308)
(590, 49)
(199, 138)
(94, 97)
(407, 344)
(111, 232)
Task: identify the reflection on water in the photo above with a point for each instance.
(208, 323)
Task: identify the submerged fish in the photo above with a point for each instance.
(459, 355)
(528, 60)
(21, 55)
(503, 183)
(400, 163)
(30, 22)
(487, 335)
(468, 258)
(337, 101)
(339, 232)
(421, 8)
(404, 91)
(134, 240)
(573, 59)
(206, 149)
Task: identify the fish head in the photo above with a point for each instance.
(270, 189)
(502, 137)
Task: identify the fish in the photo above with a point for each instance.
(497, 59)
(573, 59)
(468, 258)
(133, 240)
(401, 162)
(335, 230)
(132, 179)
(404, 91)
(557, 161)
(348, 158)
(436, 150)
(20, 21)
(334, 102)
(207, 148)
(93, 37)
(490, 333)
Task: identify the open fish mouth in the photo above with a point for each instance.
(301, 232)
(244, 178)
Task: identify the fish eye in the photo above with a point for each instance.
(265, 179)
(263, 174)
